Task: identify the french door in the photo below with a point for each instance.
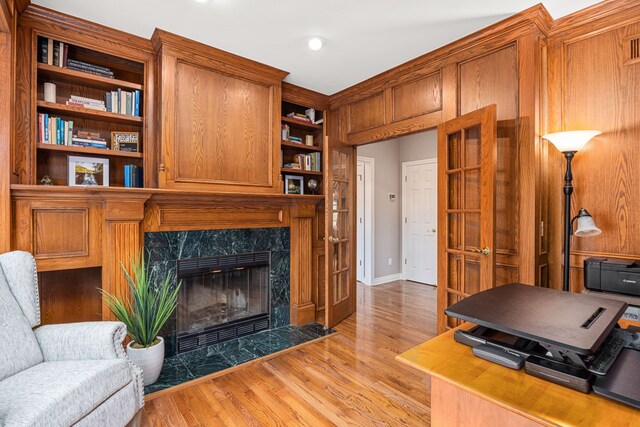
(466, 211)
(340, 243)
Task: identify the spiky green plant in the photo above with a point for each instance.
(147, 307)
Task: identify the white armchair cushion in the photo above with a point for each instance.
(82, 341)
(60, 393)
(19, 268)
(19, 349)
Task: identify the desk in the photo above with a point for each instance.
(469, 391)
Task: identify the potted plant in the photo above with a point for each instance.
(144, 312)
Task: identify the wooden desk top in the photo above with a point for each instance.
(524, 394)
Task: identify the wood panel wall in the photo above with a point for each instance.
(7, 53)
(594, 85)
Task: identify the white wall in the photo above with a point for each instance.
(389, 156)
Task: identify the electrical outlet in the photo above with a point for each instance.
(390, 261)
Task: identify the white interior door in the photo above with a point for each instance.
(360, 221)
(420, 220)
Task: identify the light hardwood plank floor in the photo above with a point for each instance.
(347, 379)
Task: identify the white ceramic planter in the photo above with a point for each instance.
(149, 359)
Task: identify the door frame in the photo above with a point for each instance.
(369, 219)
(404, 211)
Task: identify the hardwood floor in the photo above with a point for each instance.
(348, 378)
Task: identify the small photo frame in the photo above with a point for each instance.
(125, 141)
(293, 184)
(88, 171)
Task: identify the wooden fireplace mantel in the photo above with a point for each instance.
(79, 227)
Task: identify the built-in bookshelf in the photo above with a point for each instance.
(95, 112)
(302, 140)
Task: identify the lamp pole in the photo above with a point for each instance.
(568, 190)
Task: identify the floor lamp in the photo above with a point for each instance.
(569, 143)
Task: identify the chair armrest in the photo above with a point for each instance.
(82, 341)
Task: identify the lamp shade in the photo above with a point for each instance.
(572, 140)
(586, 225)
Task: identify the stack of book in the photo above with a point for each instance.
(89, 139)
(81, 101)
(53, 52)
(123, 102)
(54, 130)
(133, 176)
(85, 67)
(301, 117)
(306, 162)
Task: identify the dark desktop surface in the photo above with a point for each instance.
(579, 323)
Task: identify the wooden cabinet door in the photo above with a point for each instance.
(466, 208)
(340, 167)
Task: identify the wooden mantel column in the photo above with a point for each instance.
(303, 310)
(122, 242)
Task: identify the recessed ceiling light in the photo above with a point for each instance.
(316, 43)
(201, 1)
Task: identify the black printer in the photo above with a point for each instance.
(616, 275)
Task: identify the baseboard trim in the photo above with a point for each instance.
(386, 279)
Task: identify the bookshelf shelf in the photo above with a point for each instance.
(88, 113)
(300, 124)
(88, 150)
(78, 77)
(287, 144)
(299, 172)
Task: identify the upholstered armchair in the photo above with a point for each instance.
(59, 375)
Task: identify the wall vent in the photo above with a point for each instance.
(632, 47)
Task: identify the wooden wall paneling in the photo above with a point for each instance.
(319, 274)
(6, 130)
(449, 92)
(7, 11)
(422, 96)
(531, 194)
(239, 151)
(61, 234)
(302, 309)
(302, 96)
(592, 87)
(70, 295)
(366, 114)
(492, 78)
(123, 236)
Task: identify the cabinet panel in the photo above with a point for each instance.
(366, 114)
(61, 234)
(50, 232)
(419, 97)
(224, 128)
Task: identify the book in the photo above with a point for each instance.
(136, 109)
(311, 114)
(44, 43)
(128, 104)
(50, 51)
(56, 54)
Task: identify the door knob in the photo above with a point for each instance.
(433, 230)
(484, 251)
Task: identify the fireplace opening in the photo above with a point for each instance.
(221, 298)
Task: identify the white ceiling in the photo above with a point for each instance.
(363, 37)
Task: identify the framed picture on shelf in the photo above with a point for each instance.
(125, 141)
(88, 171)
(293, 184)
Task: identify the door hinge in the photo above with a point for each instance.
(405, 178)
(405, 261)
(360, 262)
(541, 228)
(405, 219)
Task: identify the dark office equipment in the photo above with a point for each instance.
(560, 373)
(608, 352)
(498, 355)
(616, 275)
(622, 381)
(567, 325)
(481, 335)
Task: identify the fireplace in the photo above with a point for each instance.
(221, 298)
